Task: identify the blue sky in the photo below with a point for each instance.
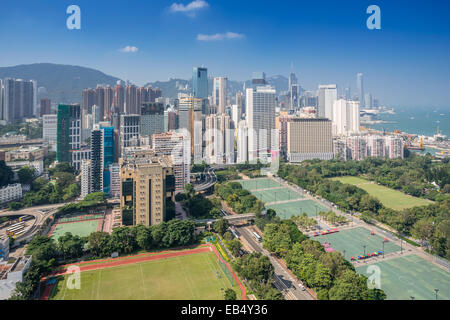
(405, 63)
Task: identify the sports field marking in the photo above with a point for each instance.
(390, 198)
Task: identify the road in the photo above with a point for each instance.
(210, 180)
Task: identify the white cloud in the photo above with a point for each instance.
(129, 49)
(189, 9)
(220, 36)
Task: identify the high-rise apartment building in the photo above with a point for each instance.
(242, 142)
(394, 147)
(220, 94)
(376, 146)
(190, 119)
(89, 97)
(108, 103)
(18, 100)
(360, 87)
(129, 131)
(119, 98)
(131, 100)
(49, 128)
(46, 106)
(219, 138)
(356, 148)
(309, 138)
(346, 117)
(177, 146)
(114, 181)
(327, 95)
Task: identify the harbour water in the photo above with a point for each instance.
(421, 121)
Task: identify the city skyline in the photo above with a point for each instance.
(404, 63)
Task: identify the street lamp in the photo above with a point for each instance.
(412, 298)
(383, 249)
(344, 254)
(436, 290)
(401, 246)
(364, 246)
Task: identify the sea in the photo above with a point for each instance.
(417, 120)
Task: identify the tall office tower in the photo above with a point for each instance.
(356, 148)
(35, 97)
(172, 120)
(368, 102)
(309, 99)
(220, 94)
(260, 117)
(129, 131)
(309, 139)
(97, 159)
(394, 147)
(346, 117)
(281, 124)
(177, 146)
(131, 105)
(18, 98)
(376, 146)
(146, 182)
(68, 134)
(100, 93)
(239, 101)
(190, 118)
(200, 82)
(96, 114)
(119, 98)
(340, 149)
(49, 128)
(152, 119)
(236, 114)
(258, 79)
(348, 94)
(89, 97)
(109, 152)
(293, 91)
(2, 94)
(109, 99)
(114, 181)
(327, 96)
(360, 87)
(218, 129)
(242, 142)
(86, 177)
(46, 106)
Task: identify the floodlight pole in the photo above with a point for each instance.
(383, 249)
(364, 246)
(436, 290)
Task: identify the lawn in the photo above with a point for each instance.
(390, 198)
(411, 276)
(82, 228)
(190, 277)
(353, 240)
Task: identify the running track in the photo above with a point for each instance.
(117, 262)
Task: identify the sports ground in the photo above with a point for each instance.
(259, 183)
(411, 276)
(278, 194)
(297, 208)
(82, 225)
(390, 198)
(194, 274)
(352, 241)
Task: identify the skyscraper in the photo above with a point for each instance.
(152, 119)
(360, 87)
(68, 132)
(200, 82)
(18, 100)
(327, 96)
(219, 146)
(97, 160)
(119, 97)
(109, 99)
(220, 94)
(109, 151)
(89, 97)
(131, 105)
(46, 105)
(260, 117)
(346, 118)
(129, 131)
(190, 118)
(258, 79)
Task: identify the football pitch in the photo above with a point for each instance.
(390, 198)
(79, 228)
(411, 277)
(186, 277)
(354, 240)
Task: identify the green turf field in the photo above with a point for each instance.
(297, 208)
(191, 277)
(82, 228)
(260, 183)
(411, 276)
(390, 198)
(353, 240)
(278, 194)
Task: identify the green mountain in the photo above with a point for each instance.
(62, 83)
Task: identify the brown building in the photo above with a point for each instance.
(46, 105)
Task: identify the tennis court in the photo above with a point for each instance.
(297, 208)
(256, 184)
(278, 194)
(411, 276)
(354, 240)
(79, 228)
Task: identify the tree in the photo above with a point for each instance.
(144, 237)
(230, 294)
(189, 190)
(423, 229)
(26, 175)
(348, 286)
(221, 226)
(6, 174)
(235, 247)
(99, 244)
